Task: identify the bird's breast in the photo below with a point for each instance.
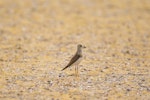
(79, 60)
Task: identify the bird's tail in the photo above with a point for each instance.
(64, 68)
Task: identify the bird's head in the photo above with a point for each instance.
(81, 46)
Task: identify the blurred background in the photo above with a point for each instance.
(38, 38)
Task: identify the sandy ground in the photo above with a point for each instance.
(38, 38)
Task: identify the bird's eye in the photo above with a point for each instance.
(79, 45)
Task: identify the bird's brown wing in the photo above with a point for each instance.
(72, 61)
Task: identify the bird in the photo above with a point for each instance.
(76, 59)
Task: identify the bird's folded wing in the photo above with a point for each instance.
(72, 61)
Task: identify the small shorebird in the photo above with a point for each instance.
(76, 59)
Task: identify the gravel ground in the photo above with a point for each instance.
(38, 38)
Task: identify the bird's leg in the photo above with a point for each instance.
(75, 70)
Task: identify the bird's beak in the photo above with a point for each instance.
(84, 46)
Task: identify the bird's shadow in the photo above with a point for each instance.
(71, 75)
(67, 75)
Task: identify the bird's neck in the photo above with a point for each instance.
(79, 51)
